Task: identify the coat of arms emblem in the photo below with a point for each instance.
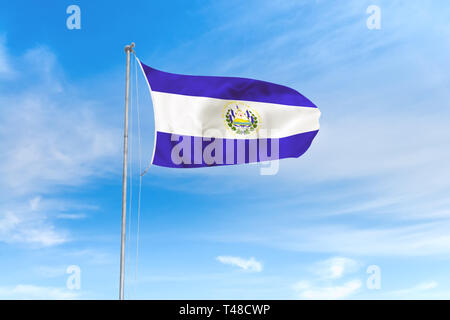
(240, 118)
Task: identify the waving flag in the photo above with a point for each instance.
(208, 121)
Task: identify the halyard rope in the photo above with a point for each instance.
(140, 179)
(130, 165)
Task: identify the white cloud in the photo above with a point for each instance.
(92, 256)
(49, 147)
(25, 291)
(34, 203)
(71, 216)
(50, 138)
(410, 293)
(305, 290)
(411, 240)
(25, 225)
(335, 268)
(326, 273)
(426, 285)
(51, 271)
(36, 235)
(246, 264)
(8, 221)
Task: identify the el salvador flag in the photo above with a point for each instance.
(205, 121)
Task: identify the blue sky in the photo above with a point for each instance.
(372, 189)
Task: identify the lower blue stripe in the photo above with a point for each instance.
(234, 151)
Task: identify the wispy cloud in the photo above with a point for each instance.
(50, 138)
(425, 290)
(251, 264)
(413, 240)
(410, 293)
(92, 256)
(71, 216)
(424, 239)
(305, 290)
(51, 271)
(325, 273)
(27, 225)
(25, 291)
(335, 268)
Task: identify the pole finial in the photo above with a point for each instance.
(129, 48)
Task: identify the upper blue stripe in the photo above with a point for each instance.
(229, 88)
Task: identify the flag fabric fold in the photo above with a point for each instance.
(208, 121)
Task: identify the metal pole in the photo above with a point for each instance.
(128, 50)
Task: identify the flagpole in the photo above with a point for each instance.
(128, 50)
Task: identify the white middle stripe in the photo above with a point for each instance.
(198, 116)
